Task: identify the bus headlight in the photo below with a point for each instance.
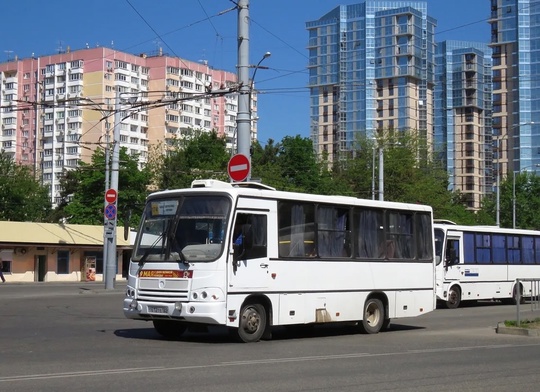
(206, 294)
(178, 306)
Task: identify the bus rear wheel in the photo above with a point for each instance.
(169, 329)
(454, 298)
(252, 323)
(374, 318)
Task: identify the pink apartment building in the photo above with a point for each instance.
(55, 110)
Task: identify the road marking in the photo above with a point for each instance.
(93, 373)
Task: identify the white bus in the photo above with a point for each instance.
(249, 257)
(483, 262)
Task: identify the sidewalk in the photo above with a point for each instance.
(52, 289)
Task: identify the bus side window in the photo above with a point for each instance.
(258, 224)
(452, 252)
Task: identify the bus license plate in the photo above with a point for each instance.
(157, 309)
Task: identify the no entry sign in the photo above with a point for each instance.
(111, 195)
(238, 167)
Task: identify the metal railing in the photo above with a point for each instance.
(533, 295)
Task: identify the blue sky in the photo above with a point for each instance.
(204, 30)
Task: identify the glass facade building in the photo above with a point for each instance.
(515, 40)
(371, 69)
(462, 126)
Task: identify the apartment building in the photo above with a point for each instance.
(515, 38)
(462, 129)
(57, 109)
(371, 69)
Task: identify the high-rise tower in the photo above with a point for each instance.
(371, 69)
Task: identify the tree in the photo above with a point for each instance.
(22, 198)
(83, 190)
(199, 155)
(527, 201)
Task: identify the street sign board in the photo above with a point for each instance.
(110, 211)
(238, 167)
(111, 195)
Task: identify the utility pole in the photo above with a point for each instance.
(111, 261)
(107, 223)
(381, 173)
(243, 118)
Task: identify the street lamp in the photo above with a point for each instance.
(380, 147)
(514, 193)
(498, 208)
(373, 175)
(498, 185)
(256, 67)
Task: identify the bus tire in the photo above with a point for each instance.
(252, 323)
(169, 329)
(454, 298)
(374, 317)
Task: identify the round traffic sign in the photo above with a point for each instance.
(111, 195)
(110, 211)
(238, 167)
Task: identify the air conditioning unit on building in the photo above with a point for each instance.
(20, 251)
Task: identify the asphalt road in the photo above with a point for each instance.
(74, 337)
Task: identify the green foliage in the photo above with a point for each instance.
(22, 198)
(527, 323)
(527, 202)
(200, 155)
(84, 188)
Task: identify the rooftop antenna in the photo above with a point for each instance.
(203, 59)
(8, 54)
(157, 42)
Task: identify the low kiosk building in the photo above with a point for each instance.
(49, 252)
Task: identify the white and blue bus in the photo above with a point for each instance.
(249, 257)
(484, 263)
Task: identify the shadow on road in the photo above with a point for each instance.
(218, 334)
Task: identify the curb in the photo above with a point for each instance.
(502, 329)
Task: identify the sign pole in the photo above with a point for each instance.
(110, 266)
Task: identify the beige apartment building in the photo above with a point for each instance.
(57, 109)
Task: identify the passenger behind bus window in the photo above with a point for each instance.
(452, 252)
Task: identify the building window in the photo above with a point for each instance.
(6, 266)
(62, 262)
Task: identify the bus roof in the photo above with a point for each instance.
(482, 229)
(254, 189)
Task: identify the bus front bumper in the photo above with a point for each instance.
(196, 312)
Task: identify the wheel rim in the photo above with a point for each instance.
(251, 320)
(373, 314)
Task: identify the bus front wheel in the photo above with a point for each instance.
(454, 298)
(252, 323)
(374, 317)
(169, 329)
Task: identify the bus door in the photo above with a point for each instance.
(248, 263)
(453, 256)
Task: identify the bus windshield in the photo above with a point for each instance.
(186, 229)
